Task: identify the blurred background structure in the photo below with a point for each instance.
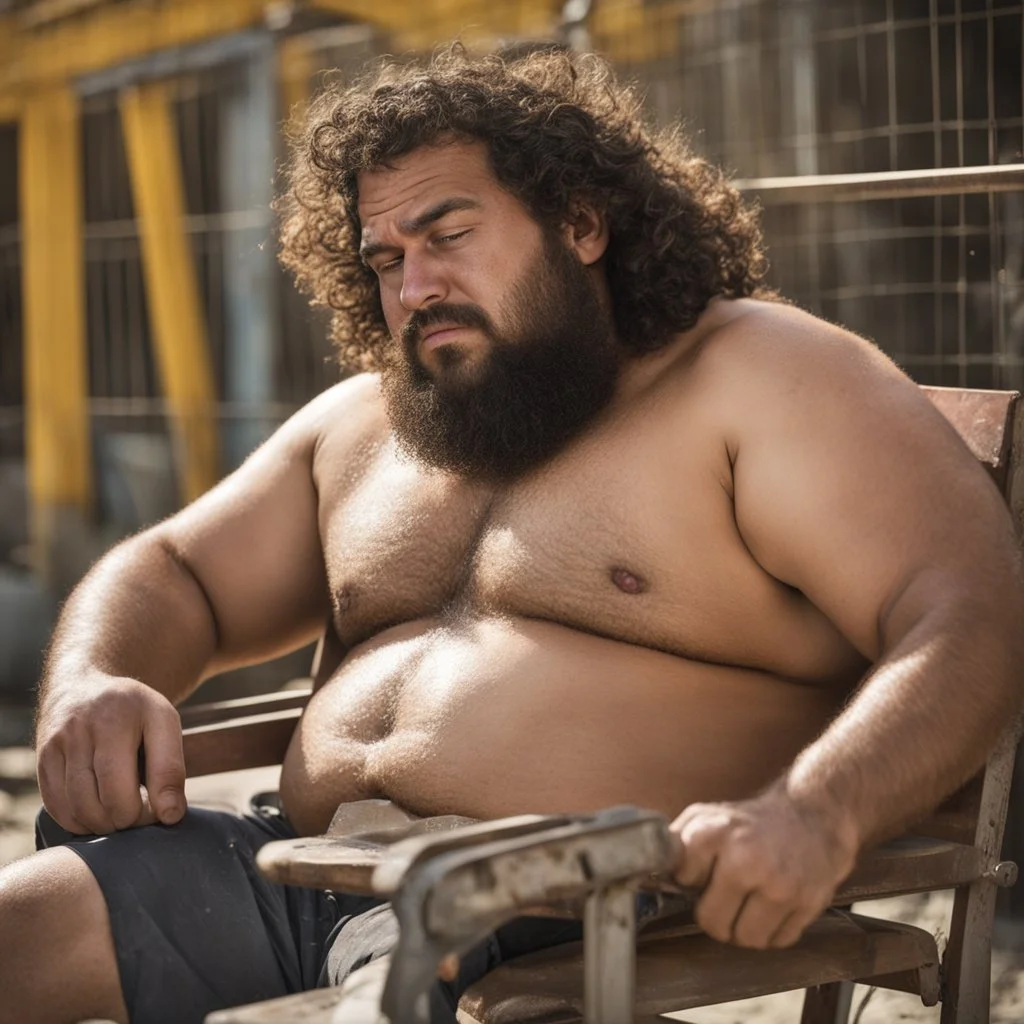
(148, 340)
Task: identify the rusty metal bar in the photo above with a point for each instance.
(849, 188)
(609, 955)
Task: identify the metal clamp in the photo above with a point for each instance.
(449, 896)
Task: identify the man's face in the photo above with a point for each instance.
(503, 350)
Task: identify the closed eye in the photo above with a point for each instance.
(396, 261)
(452, 237)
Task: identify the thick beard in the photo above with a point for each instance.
(539, 387)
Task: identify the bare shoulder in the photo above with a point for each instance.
(771, 370)
(343, 413)
(781, 357)
(348, 423)
(834, 451)
(783, 382)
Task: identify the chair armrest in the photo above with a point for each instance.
(242, 707)
(249, 742)
(450, 887)
(249, 732)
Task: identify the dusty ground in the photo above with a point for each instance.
(19, 801)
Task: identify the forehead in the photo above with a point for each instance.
(425, 176)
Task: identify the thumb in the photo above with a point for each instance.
(164, 765)
(694, 866)
(699, 835)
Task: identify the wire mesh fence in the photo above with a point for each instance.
(784, 87)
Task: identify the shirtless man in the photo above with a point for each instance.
(605, 527)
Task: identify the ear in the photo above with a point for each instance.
(586, 231)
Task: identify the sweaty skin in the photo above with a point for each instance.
(673, 611)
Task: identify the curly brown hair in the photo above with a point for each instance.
(559, 130)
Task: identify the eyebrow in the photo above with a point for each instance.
(420, 223)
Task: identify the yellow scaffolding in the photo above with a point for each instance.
(56, 382)
(179, 331)
(50, 47)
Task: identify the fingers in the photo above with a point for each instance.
(165, 764)
(765, 878)
(88, 761)
(759, 921)
(84, 799)
(720, 905)
(117, 780)
(701, 830)
(50, 771)
(744, 915)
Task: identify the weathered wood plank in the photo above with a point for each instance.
(984, 419)
(250, 742)
(682, 973)
(912, 864)
(243, 707)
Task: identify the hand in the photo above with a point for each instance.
(768, 866)
(87, 750)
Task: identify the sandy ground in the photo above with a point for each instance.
(19, 801)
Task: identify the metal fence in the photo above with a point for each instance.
(786, 87)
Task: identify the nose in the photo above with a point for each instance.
(422, 283)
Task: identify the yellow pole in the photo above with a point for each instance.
(53, 269)
(179, 332)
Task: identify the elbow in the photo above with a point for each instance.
(178, 564)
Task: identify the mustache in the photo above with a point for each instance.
(456, 314)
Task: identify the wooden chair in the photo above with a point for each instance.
(676, 967)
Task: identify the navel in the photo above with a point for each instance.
(628, 582)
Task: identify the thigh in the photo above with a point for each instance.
(195, 927)
(54, 924)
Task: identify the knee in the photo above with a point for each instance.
(50, 892)
(54, 924)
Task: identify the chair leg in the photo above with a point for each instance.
(827, 1004)
(967, 965)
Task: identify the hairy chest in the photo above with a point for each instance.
(632, 541)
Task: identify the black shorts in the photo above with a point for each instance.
(196, 928)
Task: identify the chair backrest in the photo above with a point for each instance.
(991, 424)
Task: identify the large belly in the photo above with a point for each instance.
(492, 717)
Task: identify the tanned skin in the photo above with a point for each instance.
(670, 612)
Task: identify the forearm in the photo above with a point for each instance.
(920, 725)
(139, 613)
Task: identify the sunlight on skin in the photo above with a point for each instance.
(915, 663)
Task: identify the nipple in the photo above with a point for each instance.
(628, 582)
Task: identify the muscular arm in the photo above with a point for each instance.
(850, 487)
(235, 577)
(926, 715)
(128, 617)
